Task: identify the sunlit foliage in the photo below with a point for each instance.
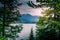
(49, 29)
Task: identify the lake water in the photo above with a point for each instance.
(25, 33)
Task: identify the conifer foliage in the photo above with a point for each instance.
(48, 27)
(8, 13)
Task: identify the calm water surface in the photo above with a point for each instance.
(25, 33)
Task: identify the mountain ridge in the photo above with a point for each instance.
(28, 18)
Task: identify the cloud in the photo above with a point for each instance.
(33, 11)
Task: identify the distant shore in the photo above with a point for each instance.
(28, 23)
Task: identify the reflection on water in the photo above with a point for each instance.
(25, 33)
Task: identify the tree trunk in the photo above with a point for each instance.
(4, 20)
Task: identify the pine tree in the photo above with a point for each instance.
(8, 14)
(48, 25)
(31, 35)
(53, 20)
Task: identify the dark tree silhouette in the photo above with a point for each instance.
(31, 35)
(8, 13)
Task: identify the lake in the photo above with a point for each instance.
(25, 33)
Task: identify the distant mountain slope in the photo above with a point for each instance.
(27, 18)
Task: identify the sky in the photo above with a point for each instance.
(24, 8)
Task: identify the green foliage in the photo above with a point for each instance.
(48, 25)
(3, 38)
(46, 34)
(41, 20)
(48, 30)
(31, 4)
(8, 14)
(31, 35)
(48, 12)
